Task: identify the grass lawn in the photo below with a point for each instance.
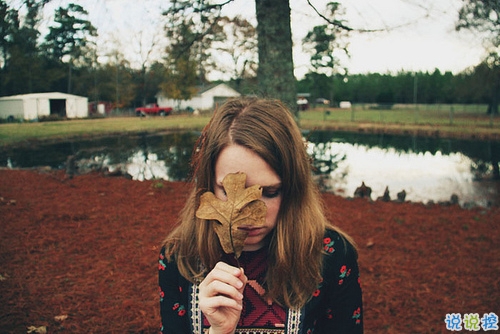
(445, 122)
(18, 132)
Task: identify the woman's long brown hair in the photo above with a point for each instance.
(295, 249)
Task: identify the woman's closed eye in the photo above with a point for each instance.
(271, 192)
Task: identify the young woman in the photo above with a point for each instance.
(298, 273)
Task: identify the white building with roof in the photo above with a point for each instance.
(33, 106)
(206, 98)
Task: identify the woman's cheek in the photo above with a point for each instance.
(273, 206)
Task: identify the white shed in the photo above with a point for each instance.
(206, 98)
(34, 106)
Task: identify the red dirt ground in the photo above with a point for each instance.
(80, 255)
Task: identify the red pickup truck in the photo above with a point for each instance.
(153, 109)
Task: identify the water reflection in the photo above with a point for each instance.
(146, 166)
(423, 176)
(427, 169)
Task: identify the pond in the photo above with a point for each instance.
(426, 169)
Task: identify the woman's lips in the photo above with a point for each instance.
(252, 231)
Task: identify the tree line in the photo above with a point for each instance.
(66, 60)
(467, 87)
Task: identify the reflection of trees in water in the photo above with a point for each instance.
(146, 166)
(324, 162)
(484, 154)
(178, 154)
(143, 160)
(495, 159)
(142, 156)
(163, 157)
(485, 169)
(324, 159)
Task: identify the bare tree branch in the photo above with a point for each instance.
(347, 28)
(334, 22)
(189, 4)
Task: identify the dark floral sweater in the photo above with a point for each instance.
(335, 307)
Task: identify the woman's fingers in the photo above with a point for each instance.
(229, 275)
(218, 287)
(222, 266)
(223, 287)
(214, 304)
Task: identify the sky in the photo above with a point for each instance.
(413, 35)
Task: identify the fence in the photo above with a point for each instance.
(432, 114)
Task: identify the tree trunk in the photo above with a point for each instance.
(275, 72)
(493, 105)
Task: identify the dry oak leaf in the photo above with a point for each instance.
(39, 330)
(61, 317)
(242, 208)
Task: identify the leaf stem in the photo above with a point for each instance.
(232, 245)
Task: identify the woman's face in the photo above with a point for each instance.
(236, 158)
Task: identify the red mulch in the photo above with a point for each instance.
(86, 248)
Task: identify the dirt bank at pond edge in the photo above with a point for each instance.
(423, 131)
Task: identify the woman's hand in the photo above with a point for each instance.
(221, 297)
